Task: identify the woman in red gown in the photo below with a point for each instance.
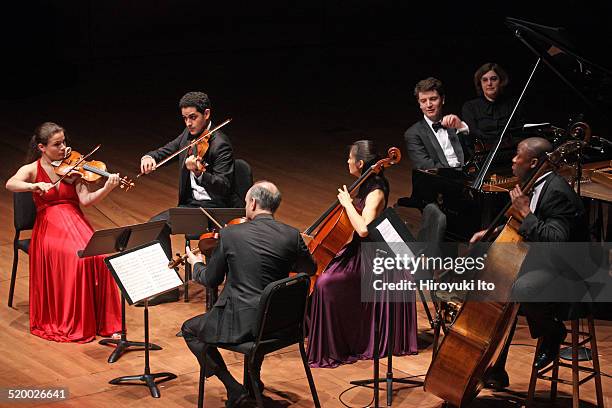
(71, 299)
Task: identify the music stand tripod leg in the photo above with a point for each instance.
(389, 379)
(147, 378)
(123, 344)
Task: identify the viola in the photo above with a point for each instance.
(90, 171)
(474, 342)
(208, 241)
(333, 229)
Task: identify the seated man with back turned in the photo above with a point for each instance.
(553, 213)
(249, 257)
(203, 182)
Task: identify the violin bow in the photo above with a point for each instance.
(211, 218)
(191, 144)
(81, 160)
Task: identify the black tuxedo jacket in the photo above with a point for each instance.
(425, 151)
(249, 257)
(559, 215)
(217, 179)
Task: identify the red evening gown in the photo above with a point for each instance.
(71, 299)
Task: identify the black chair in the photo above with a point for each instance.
(242, 181)
(24, 215)
(279, 324)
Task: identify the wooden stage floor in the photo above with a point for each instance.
(300, 149)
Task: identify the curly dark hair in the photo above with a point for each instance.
(429, 84)
(490, 66)
(42, 134)
(198, 100)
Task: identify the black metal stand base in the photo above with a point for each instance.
(145, 379)
(389, 380)
(584, 354)
(122, 346)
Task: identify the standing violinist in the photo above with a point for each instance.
(205, 180)
(249, 257)
(553, 213)
(71, 299)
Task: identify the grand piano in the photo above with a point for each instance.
(471, 197)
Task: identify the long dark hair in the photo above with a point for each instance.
(366, 150)
(42, 134)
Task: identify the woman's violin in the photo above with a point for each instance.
(75, 164)
(208, 242)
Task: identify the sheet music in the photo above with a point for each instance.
(393, 239)
(144, 272)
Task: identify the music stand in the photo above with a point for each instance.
(192, 221)
(389, 229)
(142, 273)
(118, 240)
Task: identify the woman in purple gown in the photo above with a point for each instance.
(341, 325)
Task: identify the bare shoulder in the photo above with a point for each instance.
(28, 170)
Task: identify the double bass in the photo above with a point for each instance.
(333, 229)
(474, 342)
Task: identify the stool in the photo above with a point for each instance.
(576, 382)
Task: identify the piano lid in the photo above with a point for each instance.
(561, 51)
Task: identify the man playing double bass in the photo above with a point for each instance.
(553, 213)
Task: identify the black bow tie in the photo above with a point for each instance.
(437, 126)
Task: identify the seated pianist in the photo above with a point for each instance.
(437, 141)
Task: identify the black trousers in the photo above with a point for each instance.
(192, 329)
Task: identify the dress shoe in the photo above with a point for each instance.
(497, 380)
(236, 400)
(549, 350)
(545, 357)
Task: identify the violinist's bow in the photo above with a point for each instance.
(191, 144)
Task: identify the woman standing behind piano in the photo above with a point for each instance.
(487, 115)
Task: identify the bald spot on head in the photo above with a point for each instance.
(536, 147)
(266, 195)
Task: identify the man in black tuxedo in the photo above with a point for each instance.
(203, 182)
(553, 213)
(436, 140)
(249, 257)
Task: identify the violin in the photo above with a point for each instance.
(201, 144)
(90, 171)
(208, 242)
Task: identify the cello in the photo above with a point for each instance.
(475, 340)
(333, 229)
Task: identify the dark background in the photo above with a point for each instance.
(339, 64)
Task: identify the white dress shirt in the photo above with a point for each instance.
(535, 196)
(199, 192)
(445, 144)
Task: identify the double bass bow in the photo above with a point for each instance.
(474, 342)
(333, 229)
